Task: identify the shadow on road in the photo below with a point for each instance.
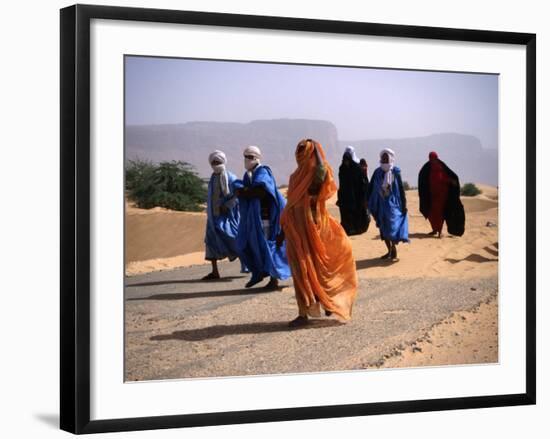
(205, 294)
(421, 236)
(218, 331)
(374, 262)
(491, 251)
(474, 257)
(185, 281)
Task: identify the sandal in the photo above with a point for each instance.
(394, 257)
(272, 285)
(253, 281)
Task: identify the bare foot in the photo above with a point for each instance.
(211, 276)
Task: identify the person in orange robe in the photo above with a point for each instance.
(319, 252)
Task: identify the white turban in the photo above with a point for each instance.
(253, 150)
(250, 164)
(390, 152)
(351, 151)
(219, 156)
(387, 167)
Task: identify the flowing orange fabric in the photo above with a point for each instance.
(318, 250)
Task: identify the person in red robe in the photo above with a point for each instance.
(439, 188)
(439, 193)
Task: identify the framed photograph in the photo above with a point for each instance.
(274, 218)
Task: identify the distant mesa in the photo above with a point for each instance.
(193, 141)
(462, 153)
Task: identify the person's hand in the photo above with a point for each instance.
(404, 211)
(224, 210)
(238, 192)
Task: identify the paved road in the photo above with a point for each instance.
(178, 326)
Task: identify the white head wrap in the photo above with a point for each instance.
(219, 156)
(387, 167)
(254, 151)
(351, 151)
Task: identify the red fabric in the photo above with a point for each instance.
(439, 189)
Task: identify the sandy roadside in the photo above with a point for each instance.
(158, 240)
(466, 337)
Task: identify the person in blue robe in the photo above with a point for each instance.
(388, 204)
(222, 211)
(260, 206)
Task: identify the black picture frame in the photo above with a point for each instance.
(75, 217)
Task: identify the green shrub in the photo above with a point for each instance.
(406, 186)
(174, 185)
(470, 190)
(138, 171)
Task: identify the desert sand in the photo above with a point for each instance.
(465, 337)
(159, 241)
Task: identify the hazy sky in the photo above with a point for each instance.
(362, 103)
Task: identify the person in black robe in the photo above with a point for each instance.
(439, 193)
(352, 196)
(365, 178)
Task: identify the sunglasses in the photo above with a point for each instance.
(250, 157)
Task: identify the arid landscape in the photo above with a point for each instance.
(436, 306)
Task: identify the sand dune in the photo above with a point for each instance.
(163, 235)
(428, 256)
(487, 191)
(160, 239)
(478, 204)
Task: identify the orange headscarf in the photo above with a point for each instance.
(318, 250)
